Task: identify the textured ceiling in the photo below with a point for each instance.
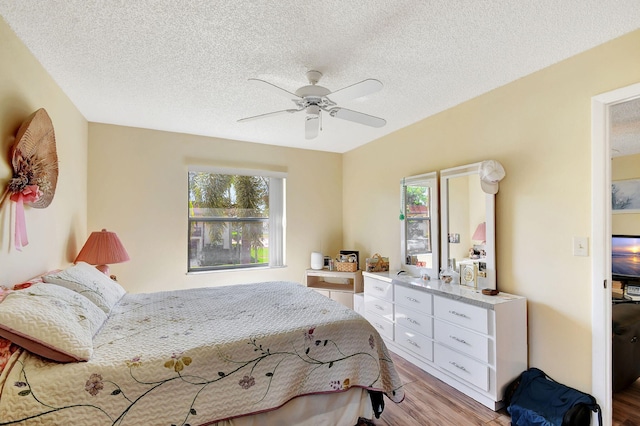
(184, 66)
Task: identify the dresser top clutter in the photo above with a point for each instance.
(469, 295)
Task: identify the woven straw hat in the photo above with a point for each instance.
(34, 158)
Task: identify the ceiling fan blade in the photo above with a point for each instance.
(269, 114)
(357, 117)
(357, 90)
(274, 88)
(311, 126)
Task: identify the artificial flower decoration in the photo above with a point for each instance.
(35, 170)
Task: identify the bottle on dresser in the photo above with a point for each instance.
(450, 275)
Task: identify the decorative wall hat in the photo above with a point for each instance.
(35, 169)
(491, 173)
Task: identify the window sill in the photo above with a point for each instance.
(218, 271)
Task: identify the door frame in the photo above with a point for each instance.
(601, 244)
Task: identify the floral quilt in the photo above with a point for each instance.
(194, 357)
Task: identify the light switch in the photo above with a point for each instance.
(580, 246)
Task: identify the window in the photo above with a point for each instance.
(236, 219)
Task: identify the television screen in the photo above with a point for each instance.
(625, 257)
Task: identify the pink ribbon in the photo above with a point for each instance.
(29, 194)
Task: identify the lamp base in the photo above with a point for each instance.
(103, 268)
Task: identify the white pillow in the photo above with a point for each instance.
(91, 283)
(51, 321)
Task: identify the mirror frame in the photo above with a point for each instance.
(428, 180)
(490, 214)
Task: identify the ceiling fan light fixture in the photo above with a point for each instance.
(314, 76)
(314, 99)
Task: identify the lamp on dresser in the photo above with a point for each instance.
(480, 233)
(102, 248)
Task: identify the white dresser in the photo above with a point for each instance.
(473, 342)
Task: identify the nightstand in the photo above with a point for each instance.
(339, 286)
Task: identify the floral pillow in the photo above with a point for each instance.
(34, 280)
(51, 321)
(91, 283)
(7, 348)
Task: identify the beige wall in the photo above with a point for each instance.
(138, 188)
(56, 233)
(626, 167)
(539, 128)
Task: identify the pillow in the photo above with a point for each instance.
(7, 348)
(37, 279)
(91, 283)
(51, 321)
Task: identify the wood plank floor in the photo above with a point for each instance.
(626, 406)
(430, 401)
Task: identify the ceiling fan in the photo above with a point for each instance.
(314, 99)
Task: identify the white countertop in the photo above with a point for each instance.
(439, 288)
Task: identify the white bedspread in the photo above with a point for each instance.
(192, 357)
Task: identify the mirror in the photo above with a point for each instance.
(419, 225)
(468, 226)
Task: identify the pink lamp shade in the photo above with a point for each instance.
(102, 248)
(481, 233)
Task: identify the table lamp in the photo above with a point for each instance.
(481, 233)
(101, 249)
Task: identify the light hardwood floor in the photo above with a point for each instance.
(430, 401)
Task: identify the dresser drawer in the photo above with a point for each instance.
(377, 288)
(415, 342)
(473, 317)
(384, 327)
(378, 307)
(473, 344)
(414, 299)
(467, 369)
(414, 320)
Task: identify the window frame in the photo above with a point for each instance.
(276, 219)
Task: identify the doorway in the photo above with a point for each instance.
(601, 241)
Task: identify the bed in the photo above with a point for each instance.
(265, 353)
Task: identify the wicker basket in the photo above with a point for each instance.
(346, 266)
(377, 263)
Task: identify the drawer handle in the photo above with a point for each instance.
(458, 314)
(379, 288)
(412, 321)
(411, 299)
(378, 307)
(458, 366)
(457, 339)
(413, 343)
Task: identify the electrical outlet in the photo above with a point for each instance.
(580, 246)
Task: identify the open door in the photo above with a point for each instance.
(601, 242)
